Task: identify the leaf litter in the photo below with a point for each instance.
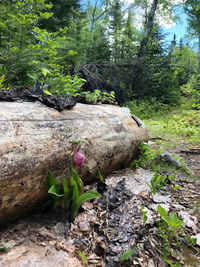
(110, 227)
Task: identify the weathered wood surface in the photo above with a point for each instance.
(35, 139)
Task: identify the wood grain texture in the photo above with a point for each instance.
(35, 139)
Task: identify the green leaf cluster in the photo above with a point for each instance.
(71, 193)
(158, 181)
(172, 220)
(98, 96)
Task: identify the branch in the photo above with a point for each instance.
(100, 15)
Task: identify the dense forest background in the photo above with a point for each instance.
(99, 46)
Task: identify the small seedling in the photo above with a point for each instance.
(127, 254)
(83, 257)
(157, 182)
(172, 220)
(100, 176)
(172, 178)
(144, 213)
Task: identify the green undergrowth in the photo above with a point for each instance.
(151, 158)
(171, 124)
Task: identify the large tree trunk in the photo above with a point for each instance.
(35, 139)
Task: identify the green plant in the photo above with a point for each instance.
(172, 178)
(172, 220)
(180, 124)
(127, 254)
(148, 108)
(71, 192)
(83, 257)
(98, 96)
(17, 33)
(2, 78)
(147, 158)
(190, 241)
(108, 97)
(169, 229)
(100, 176)
(144, 213)
(158, 181)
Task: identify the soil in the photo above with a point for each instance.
(111, 225)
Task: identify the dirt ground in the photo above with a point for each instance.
(111, 225)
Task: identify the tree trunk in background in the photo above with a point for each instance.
(137, 87)
(149, 27)
(35, 139)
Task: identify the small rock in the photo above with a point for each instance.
(188, 220)
(178, 207)
(84, 226)
(150, 263)
(59, 228)
(170, 160)
(158, 198)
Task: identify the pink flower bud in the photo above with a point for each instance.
(78, 158)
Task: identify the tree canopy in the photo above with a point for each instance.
(48, 41)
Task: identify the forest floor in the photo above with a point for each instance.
(123, 226)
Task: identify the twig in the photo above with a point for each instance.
(191, 151)
(158, 138)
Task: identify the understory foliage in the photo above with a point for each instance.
(170, 123)
(45, 40)
(71, 194)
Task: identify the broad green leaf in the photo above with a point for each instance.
(67, 194)
(75, 190)
(46, 15)
(2, 78)
(74, 174)
(167, 220)
(162, 211)
(47, 92)
(78, 181)
(54, 190)
(82, 256)
(127, 254)
(65, 187)
(45, 71)
(2, 25)
(72, 53)
(175, 222)
(176, 187)
(50, 180)
(32, 76)
(83, 198)
(88, 196)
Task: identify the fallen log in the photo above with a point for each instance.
(35, 139)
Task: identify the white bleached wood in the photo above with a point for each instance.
(35, 139)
